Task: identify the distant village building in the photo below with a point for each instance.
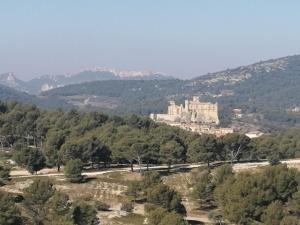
(254, 134)
(195, 115)
(237, 113)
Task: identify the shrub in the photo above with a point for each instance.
(73, 171)
(156, 216)
(134, 189)
(274, 159)
(165, 197)
(222, 173)
(150, 179)
(4, 175)
(262, 196)
(102, 206)
(173, 219)
(30, 158)
(148, 207)
(18, 198)
(36, 198)
(203, 188)
(290, 220)
(84, 214)
(9, 212)
(273, 214)
(127, 207)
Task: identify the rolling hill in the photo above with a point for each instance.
(48, 82)
(9, 80)
(268, 93)
(120, 96)
(10, 94)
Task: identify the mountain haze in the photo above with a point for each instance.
(268, 92)
(11, 94)
(48, 82)
(9, 80)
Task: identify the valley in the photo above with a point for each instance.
(93, 143)
(149, 112)
(110, 186)
(130, 170)
(267, 93)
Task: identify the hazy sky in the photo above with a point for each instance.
(184, 38)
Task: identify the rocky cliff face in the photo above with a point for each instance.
(242, 73)
(48, 82)
(9, 80)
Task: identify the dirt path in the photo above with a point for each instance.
(295, 163)
(237, 167)
(21, 173)
(25, 174)
(116, 212)
(198, 219)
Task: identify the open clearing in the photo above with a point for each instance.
(109, 186)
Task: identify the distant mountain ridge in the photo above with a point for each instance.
(241, 73)
(48, 82)
(9, 80)
(11, 94)
(268, 92)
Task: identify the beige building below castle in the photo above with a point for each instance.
(195, 115)
(193, 111)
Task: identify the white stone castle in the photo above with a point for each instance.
(193, 111)
(195, 115)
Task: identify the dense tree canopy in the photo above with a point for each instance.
(81, 139)
(52, 138)
(203, 149)
(84, 214)
(265, 196)
(9, 213)
(30, 158)
(73, 170)
(44, 205)
(4, 175)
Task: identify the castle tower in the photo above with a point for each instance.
(195, 99)
(192, 111)
(186, 106)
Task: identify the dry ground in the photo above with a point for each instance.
(109, 186)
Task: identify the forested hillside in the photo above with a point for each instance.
(270, 90)
(94, 137)
(10, 94)
(267, 92)
(7, 93)
(131, 96)
(80, 141)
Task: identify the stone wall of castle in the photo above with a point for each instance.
(195, 116)
(193, 111)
